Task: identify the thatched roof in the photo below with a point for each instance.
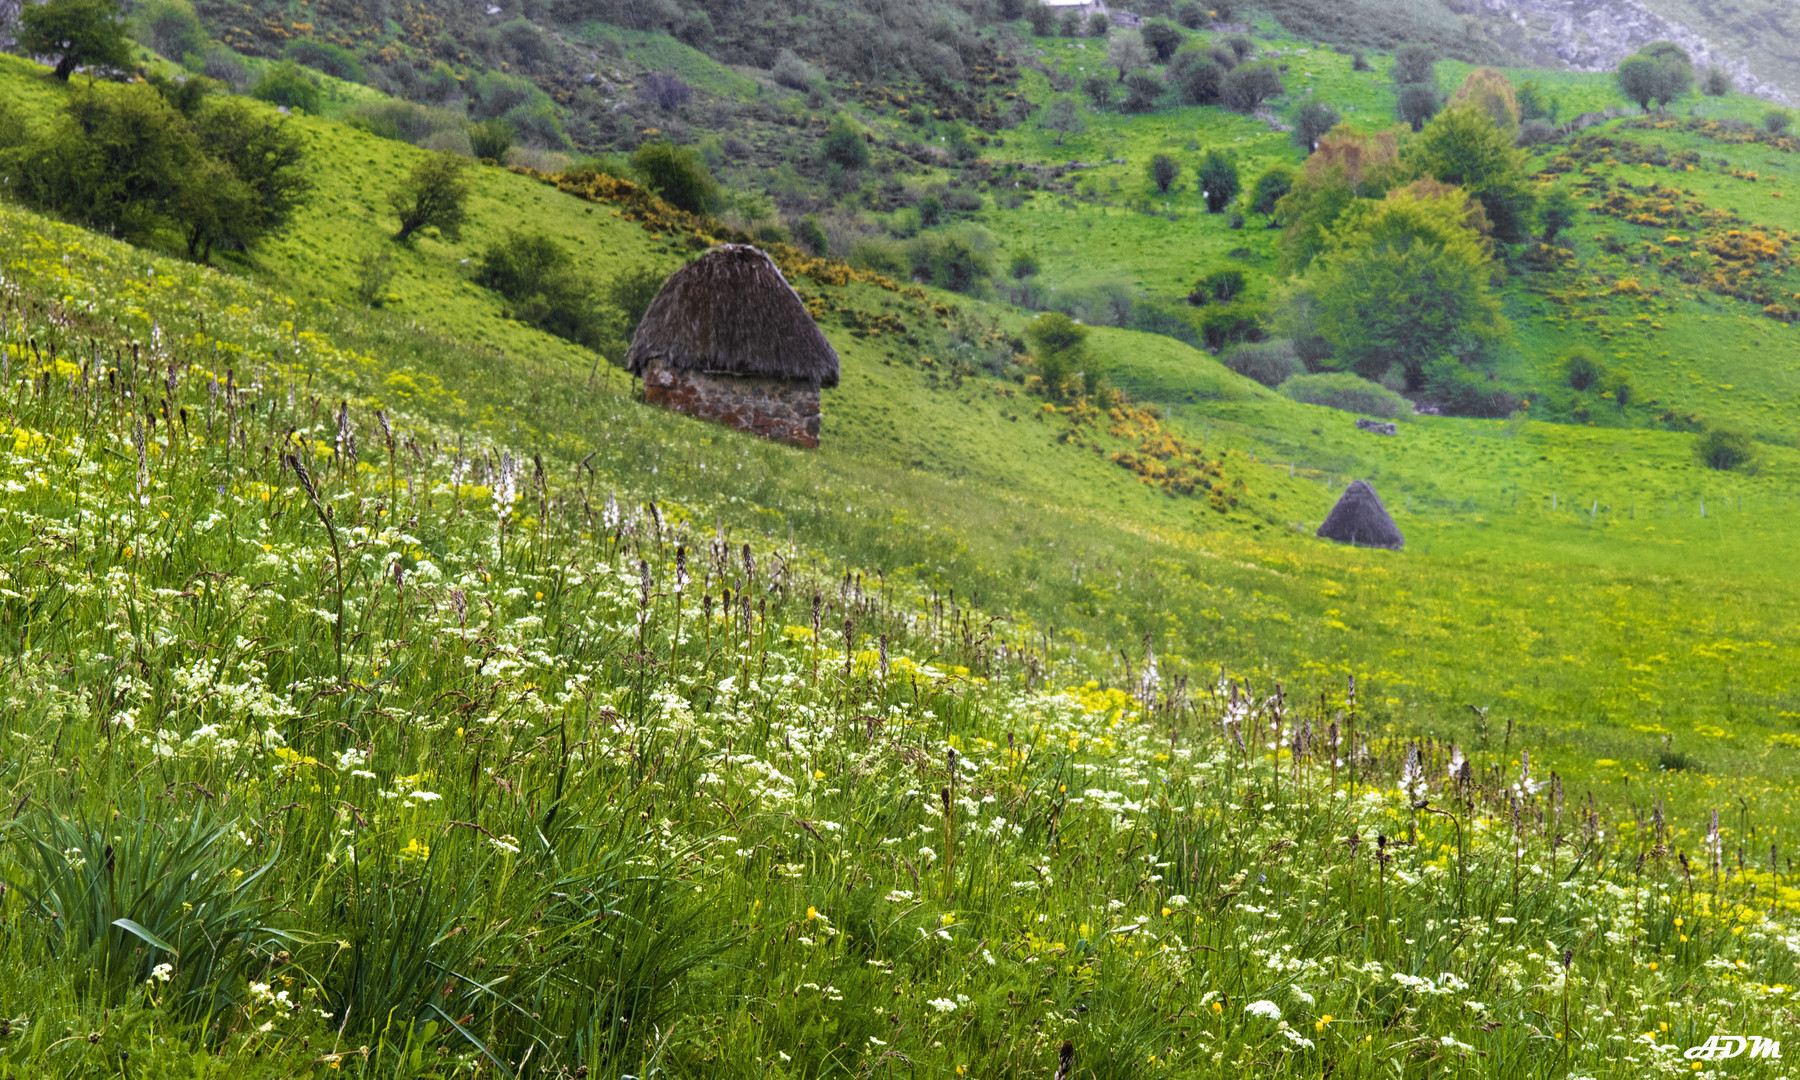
(730, 312)
(1360, 519)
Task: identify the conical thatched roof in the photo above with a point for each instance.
(730, 312)
(1360, 519)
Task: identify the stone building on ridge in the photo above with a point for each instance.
(727, 339)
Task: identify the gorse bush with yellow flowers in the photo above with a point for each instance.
(351, 727)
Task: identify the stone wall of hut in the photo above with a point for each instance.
(779, 409)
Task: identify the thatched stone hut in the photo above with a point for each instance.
(727, 339)
(1360, 520)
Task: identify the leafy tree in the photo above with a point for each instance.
(1242, 48)
(1162, 171)
(1218, 180)
(1063, 116)
(1490, 91)
(1346, 167)
(1126, 52)
(1099, 90)
(677, 173)
(1059, 344)
(1192, 15)
(1403, 281)
(1556, 212)
(434, 194)
(1197, 79)
(1245, 87)
(1415, 103)
(263, 179)
(1415, 64)
(1162, 39)
(1657, 74)
(1312, 121)
(119, 162)
(285, 84)
(1099, 25)
(1141, 91)
(1271, 187)
(844, 144)
(1463, 147)
(1533, 105)
(1715, 83)
(79, 33)
(489, 140)
(1042, 19)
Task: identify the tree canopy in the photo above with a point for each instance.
(1404, 281)
(1657, 74)
(1464, 147)
(79, 33)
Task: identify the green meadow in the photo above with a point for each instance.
(390, 691)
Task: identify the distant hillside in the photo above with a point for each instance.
(1753, 40)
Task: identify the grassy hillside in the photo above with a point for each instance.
(517, 769)
(468, 761)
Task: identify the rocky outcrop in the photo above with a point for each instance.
(1594, 35)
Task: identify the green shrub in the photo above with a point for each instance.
(880, 256)
(1727, 450)
(1459, 390)
(951, 260)
(285, 84)
(844, 144)
(374, 274)
(402, 121)
(1162, 171)
(1271, 363)
(1582, 371)
(1247, 86)
(325, 56)
(491, 139)
(1220, 285)
(171, 28)
(1351, 393)
(1059, 345)
(1024, 264)
(677, 173)
(435, 194)
(1197, 79)
(1218, 180)
(630, 292)
(539, 278)
(1311, 122)
(1777, 121)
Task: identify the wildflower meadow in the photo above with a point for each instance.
(342, 738)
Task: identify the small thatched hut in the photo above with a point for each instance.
(727, 339)
(1359, 519)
